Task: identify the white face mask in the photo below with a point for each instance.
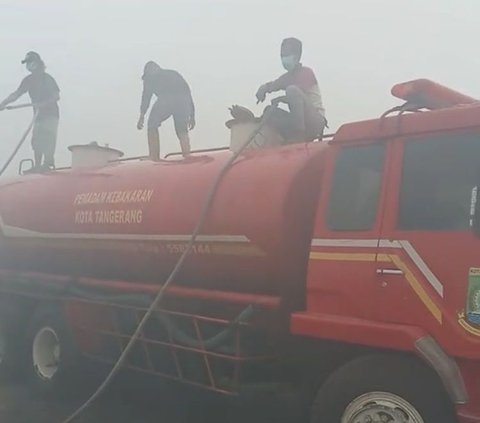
(31, 66)
(289, 62)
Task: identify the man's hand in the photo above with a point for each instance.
(261, 94)
(191, 123)
(140, 123)
(12, 98)
(278, 100)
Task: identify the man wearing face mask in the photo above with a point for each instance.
(44, 93)
(174, 98)
(302, 95)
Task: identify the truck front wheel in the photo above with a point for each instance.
(379, 389)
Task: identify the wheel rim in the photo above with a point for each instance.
(381, 407)
(46, 353)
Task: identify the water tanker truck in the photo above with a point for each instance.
(345, 269)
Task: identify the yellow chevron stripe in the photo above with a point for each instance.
(343, 256)
(418, 288)
(315, 255)
(371, 257)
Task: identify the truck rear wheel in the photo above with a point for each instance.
(53, 362)
(379, 389)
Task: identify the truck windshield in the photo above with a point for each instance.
(440, 176)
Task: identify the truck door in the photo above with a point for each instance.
(342, 267)
(427, 240)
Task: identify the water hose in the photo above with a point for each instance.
(22, 140)
(178, 266)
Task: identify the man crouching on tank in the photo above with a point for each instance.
(44, 93)
(306, 120)
(174, 98)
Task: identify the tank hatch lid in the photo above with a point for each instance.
(93, 155)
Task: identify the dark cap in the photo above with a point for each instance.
(32, 56)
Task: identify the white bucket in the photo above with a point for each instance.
(240, 132)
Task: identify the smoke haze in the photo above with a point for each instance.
(225, 49)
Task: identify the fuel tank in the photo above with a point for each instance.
(132, 220)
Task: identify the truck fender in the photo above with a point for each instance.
(445, 367)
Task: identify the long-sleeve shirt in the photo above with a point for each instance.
(167, 84)
(303, 78)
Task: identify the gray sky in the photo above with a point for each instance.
(225, 49)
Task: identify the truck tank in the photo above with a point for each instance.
(131, 221)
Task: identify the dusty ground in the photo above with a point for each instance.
(18, 405)
(135, 403)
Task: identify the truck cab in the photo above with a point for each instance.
(394, 262)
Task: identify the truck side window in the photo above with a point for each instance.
(439, 176)
(356, 188)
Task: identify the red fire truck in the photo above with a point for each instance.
(346, 268)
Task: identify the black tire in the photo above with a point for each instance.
(402, 376)
(49, 322)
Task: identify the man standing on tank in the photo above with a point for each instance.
(174, 98)
(306, 120)
(44, 94)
